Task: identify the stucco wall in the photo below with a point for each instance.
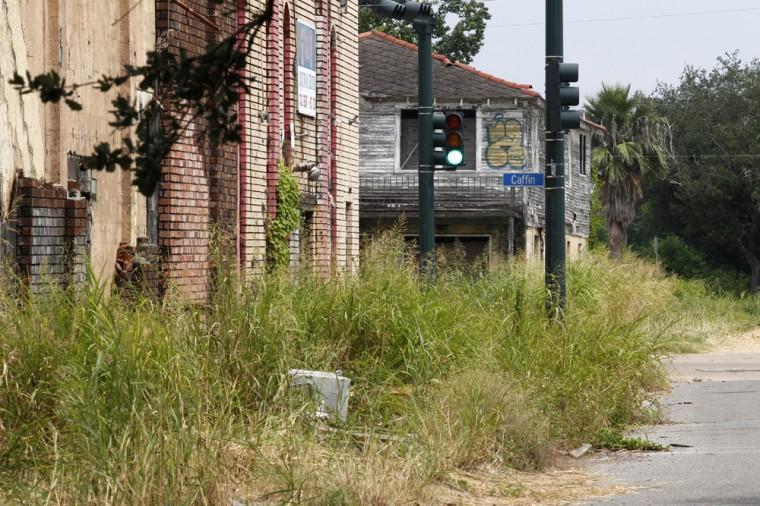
(81, 40)
(575, 246)
(22, 141)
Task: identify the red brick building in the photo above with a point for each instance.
(302, 109)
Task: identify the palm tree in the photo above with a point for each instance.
(636, 142)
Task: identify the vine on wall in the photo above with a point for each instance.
(287, 219)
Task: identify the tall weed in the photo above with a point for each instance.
(105, 400)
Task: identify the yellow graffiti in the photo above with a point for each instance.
(505, 144)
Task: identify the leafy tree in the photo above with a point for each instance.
(460, 26)
(711, 197)
(635, 143)
(205, 87)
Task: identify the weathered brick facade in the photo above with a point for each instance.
(277, 130)
(235, 187)
(198, 188)
(52, 234)
(203, 188)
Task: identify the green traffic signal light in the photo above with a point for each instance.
(448, 139)
(454, 139)
(454, 157)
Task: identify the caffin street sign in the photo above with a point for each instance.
(524, 179)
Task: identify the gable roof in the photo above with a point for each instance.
(388, 68)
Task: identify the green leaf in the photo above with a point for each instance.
(73, 104)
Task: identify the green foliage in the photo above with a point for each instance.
(598, 236)
(634, 144)
(680, 258)
(687, 262)
(287, 219)
(103, 401)
(458, 33)
(711, 196)
(615, 440)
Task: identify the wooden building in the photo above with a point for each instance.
(503, 133)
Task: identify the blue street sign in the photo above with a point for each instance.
(524, 179)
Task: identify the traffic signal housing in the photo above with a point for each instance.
(561, 96)
(448, 139)
(408, 11)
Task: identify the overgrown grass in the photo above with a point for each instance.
(701, 314)
(108, 401)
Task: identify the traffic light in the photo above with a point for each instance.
(408, 11)
(448, 139)
(561, 96)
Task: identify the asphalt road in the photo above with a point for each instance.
(714, 430)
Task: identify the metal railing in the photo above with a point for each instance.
(469, 184)
(455, 191)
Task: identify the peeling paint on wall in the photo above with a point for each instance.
(81, 39)
(21, 133)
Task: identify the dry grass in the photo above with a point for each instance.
(376, 475)
(741, 342)
(107, 401)
(699, 319)
(500, 487)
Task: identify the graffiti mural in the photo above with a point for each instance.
(505, 144)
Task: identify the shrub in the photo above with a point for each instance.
(681, 259)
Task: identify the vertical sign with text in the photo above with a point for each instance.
(306, 56)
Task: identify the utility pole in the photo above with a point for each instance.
(421, 17)
(425, 126)
(554, 267)
(559, 96)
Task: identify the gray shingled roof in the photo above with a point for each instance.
(388, 69)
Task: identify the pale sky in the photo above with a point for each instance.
(636, 51)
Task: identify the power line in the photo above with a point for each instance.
(634, 18)
(695, 156)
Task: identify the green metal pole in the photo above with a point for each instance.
(555, 174)
(425, 124)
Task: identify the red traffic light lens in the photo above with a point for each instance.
(454, 140)
(454, 121)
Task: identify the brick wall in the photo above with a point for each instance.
(53, 234)
(330, 139)
(255, 168)
(198, 188)
(344, 24)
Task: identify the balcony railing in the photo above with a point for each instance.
(455, 193)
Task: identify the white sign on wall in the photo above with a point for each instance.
(306, 59)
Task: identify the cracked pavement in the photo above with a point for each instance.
(714, 429)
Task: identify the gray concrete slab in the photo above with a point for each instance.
(714, 413)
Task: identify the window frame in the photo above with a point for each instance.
(583, 171)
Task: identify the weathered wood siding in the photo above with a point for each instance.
(510, 138)
(579, 186)
(378, 126)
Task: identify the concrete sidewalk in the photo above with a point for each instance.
(714, 430)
